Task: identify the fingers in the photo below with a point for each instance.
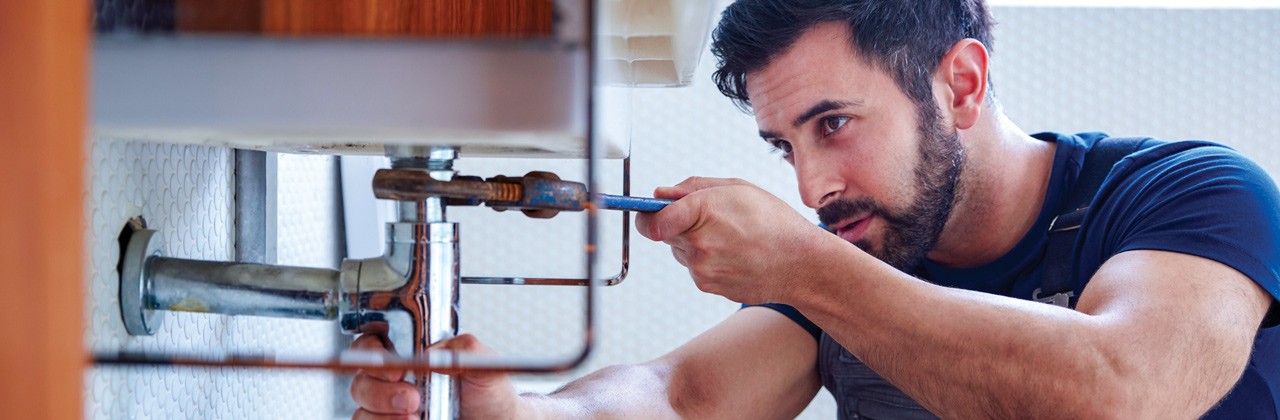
(363, 414)
(374, 343)
(368, 342)
(643, 222)
(465, 343)
(383, 397)
(693, 184)
(470, 344)
(381, 392)
(675, 219)
(682, 215)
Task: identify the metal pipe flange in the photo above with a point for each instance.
(135, 284)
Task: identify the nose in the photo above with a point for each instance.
(819, 183)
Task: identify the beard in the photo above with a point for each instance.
(911, 233)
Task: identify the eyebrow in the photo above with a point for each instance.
(814, 111)
(821, 107)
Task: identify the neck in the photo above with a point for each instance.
(1002, 189)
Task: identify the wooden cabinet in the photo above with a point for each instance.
(401, 18)
(44, 47)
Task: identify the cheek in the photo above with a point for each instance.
(883, 170)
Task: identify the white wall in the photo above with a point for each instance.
(1175, 74)
(186, 193)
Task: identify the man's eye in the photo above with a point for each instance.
(782, 146)
(831, 124)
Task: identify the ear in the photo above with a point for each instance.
(962, 75)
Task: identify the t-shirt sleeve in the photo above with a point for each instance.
(1207, 201)
(794, 315)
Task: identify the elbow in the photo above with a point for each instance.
(1116, 386)
(1117, 402)
(622, 391)
(1114, 391)
(692, 392)
(1101, 398)
(1112, 402)
(1134, 389)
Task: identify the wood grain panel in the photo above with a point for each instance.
(218, 16)
(412, 18)
(44, 48)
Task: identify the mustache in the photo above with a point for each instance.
(842, 209)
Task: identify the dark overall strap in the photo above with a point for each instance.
(1057, 285)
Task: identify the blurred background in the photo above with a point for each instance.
(1188, 70)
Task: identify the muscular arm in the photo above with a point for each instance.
(755, 364)
(1157, 335)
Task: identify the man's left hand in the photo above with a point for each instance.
(737, 240)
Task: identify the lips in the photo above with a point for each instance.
(854, 230)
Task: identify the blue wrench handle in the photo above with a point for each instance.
(620, 202)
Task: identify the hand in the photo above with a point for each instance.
(385, 394)
(737, 240)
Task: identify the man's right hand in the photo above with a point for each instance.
(756, 364)
(385, 394)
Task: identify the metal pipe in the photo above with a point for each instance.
(442, 315)
(418, 278)
(242, 289)
(255, 206)
(442, 284)
(431, 267)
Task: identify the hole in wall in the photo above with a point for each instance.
(134, 224)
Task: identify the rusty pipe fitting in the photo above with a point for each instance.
(537, 194)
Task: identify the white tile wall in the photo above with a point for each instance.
(1176, 74)
(186, 193)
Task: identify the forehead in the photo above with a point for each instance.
(820, 65)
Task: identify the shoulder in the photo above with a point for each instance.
(1165, 155)
(1189, 197)
(1172, 170)
(1169, 179)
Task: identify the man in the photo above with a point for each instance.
(920, 303)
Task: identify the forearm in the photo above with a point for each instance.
(963, 356)
(755, 364)
(968, 354)
(624, 391)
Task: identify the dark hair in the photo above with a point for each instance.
(906, 38)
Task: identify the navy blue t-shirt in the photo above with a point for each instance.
(1190, 197)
